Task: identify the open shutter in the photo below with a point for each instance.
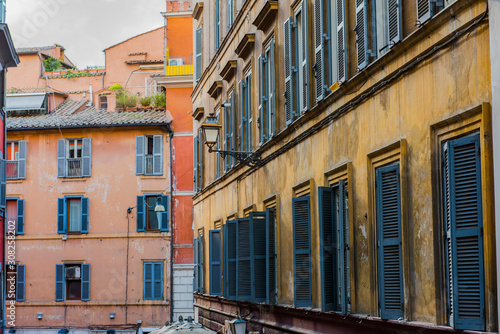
(249, 113)
(141, 213)
(215, 263)
(20, 282)
(305, 56)
(341, 41)
(199, 48)
(196, 286)
(327, 243)
(242, 117)
(424, 10)
(319, 53)
(201, 261)
(289, 111)
(87, 154)
(139, 155)
(466, 220)
(361, 34)
(259, 256)
(59, 282)
(302, 251)
(22, 159)
(244, 253)
(200, 159)
(390, 265)
(217, 24)
(61, 215)
(20, 216)
(164, 214)
(271, 255)
(343, 232)
(231, 271)
(233, 126)
(271, 90)
(158, 281)
(3, 184)
(85, 215)
(158, 155)
(395, 25)
(262, 118)
(148, 281)
(61, 157)
(85, 281)
(195, 163)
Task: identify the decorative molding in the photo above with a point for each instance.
(267, 15)
(198, 113)
(229, 70)
(198, 10)
(215, 89)
(245, 46)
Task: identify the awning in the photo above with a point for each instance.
(25, 101)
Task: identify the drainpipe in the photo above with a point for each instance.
(171, 227)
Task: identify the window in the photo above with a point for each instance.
(334, 248)
(73, 157)
(267, 94)
(389, 241)
(230, 13)
(16, 160)
(229, 129)
(103, 102)
(463, 230)
(72, 281)
(147, 218)
(16, 282)
(428, 8)
(15, 216)
(149, 155)
(198, 161)
(246, 119)
(302, 270)
(217, 24)
(215, 262)
(153, 281)
(73, 215)
(199, 53)
(198, 260)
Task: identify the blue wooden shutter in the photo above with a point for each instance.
(302, 251)
(343, 246)
(361, 30)
(427, 8)
(215, 262)
(141, 213)
(319, 52)
(61, 215)
(271, 255)
(85, 281)
(148, 281)
(199, 48)
(85, 215)
(231, 270)
(158, 281)
(242, 118)
(20, 282)
(60, 282)
(201, 260)
(200, 160)
(304, 67)
(244, 258)
(20, 216)
(464, 219)
(395, 22)
(217, 24)
(260, 258)
(249, 113)
(289, 111)
(196, 286)
(87, 156)
(3, 184)
(164, 214)
(21, 174)
(195, 163)
(271, 91)
(233, 126)
(262, 120)
(158, 155)
(139, 155)
(390, 265)
(230, 13)
(328, 265)
(61, 158)
(341, 25)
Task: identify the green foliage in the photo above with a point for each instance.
(117, 88)
(160, 100)
(131, 101)
(125, 100)
(146, 101)
(51, 64)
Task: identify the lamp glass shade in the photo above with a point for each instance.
(211, 134)
(238, 326)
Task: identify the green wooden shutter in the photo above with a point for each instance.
(271, 255)
(262, 119)
(20, 282)
(215, 262)
(259, 256)
(302, 269)
(21, 174)
(249, 113)
(327, 243)
(200, 261)
(361, 30)
(390, 266)
(85, 215)
(242, 118)
(395, 22)
(141, 213)
(157, 155)
(61, 215)
(289, 105)
(85, 281)
(233, 126)
(244, 259)
(227, 127)
(345, 268)
(61, 158)
(341, 41)
(304, 67)
(148, 281)
(20, 217)
(231, 271)
(271, 90)
(139, 155)
(199, 48)
(319, 52)
(87, 156)
(158, 280)
(164, 214)
(60, 282)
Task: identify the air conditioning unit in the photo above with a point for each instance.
(72, 272)
(175, 62)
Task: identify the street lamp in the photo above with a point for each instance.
(211, 133)
(238, 326)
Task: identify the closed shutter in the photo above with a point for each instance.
(361, 34)
(148, 281)
(390, 266)
(85, 215)
(87, 156)
(61, 157)
(244, 259)
(465, 223)
(139, 155)
(328, 261)
(20, 282)
(289, 111)
(141, 213)
(305, 56)
(271, 255)
(61, 215)
(341, 41)
(242, 117)
(158, 281)
(59, 282)
(164, 214)
(395, 25)
(22, 159)
(199, 34)
(262, 118)
(271, 90)
(20, 216)
(302, 252)
(319, 53)
(85, 281)
(195, 163)
(158, 155)
(196, 286)
(259, 256)
(215, 262)
(231, 259)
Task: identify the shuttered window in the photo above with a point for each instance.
(147, 218)
(267, 95)
(16, 159)
(153, 281)
(290, 76)
(218, 166)
(15, 216)
(428, 8)
(73, 215)
(230, 13)
(198, 161)
(464, 223)
(389, 239)
(302, 52)
(74, 157)
(198, 260)
(272, 265)
(215, 262)
(230, 231)
(230, 130)
(149, 155)
(217, 24)
(73, 281)
(199, 53)
(302, 269)
(20, 282)
(361, 30)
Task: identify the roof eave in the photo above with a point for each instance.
(161, 124)
(9, 55)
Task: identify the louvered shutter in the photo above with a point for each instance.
(20, 216)
(148, 281)
(20, 282)
(87, 157)
(262, 118)
(242, 118)
(61, 158)
(424, 10)
(61, 215)
(271, 255)
(227, 127)
(196, 286)
(195, 163)
(85, 281)
(3, 184)
(464, 217)
(22, 159)
(158, 281)
(232, 259)
(289, 111)
(319, 66)
(233, 126)
(141, 213)
(341, 41)
(201, 261)
(199, 48)
(302, 252)
(249, 113)
(259, 256)
(344, 249)
(200, 160)
(395, 25)
(244, 253)
(85, 215)
(158, 155)
(305, 56)
(230, 17)
(164, 214)
(390, 266)
(215, 263)
(327, 243)
(217, 24)
(361, 34)
(59, 282)
(139, 155)
(271, 90)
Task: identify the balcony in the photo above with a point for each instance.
(74, 167)
(178, 65)
(12, 170)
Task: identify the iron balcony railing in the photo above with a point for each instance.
(12, 170)
(149, 165)
(74, 167)
(178, 65)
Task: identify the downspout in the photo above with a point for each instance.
(4, 278)
(172, 228)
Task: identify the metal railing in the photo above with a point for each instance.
(74, 167)
(149, 165)
(12, 170)
(178, 65)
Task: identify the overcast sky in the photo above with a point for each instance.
(83, 27)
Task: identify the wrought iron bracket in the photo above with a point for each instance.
(250, 159)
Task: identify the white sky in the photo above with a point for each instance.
(83, 27)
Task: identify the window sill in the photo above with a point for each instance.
(15, 181)
(154, 177)
(79, 179)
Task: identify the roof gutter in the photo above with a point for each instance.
(166, 125)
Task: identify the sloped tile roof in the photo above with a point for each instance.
(34, 49)
(67, 115)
